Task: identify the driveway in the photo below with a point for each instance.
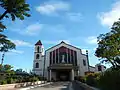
(60, 86)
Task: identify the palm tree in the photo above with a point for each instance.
(14, 8)
(5, 46)
(2, 27)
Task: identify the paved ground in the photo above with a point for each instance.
(77, 86)
(59, 86)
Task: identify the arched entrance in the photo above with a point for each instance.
(63, 75)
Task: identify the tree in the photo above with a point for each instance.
(19, 70)
(2, 27)
(7, 67)
(14, 8)
(109, 46)
(6, 45)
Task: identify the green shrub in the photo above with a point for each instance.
(3, 82)
(92, 78)
(80, 78)
(109, 80)
(10, 80)
(33, 79)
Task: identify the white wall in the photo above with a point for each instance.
(80, 57)
(102, 67)
(92, 69)
(38, 71)
(41, 48)
(83, 68)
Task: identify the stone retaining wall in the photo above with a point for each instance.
(18, 85)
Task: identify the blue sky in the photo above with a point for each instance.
(77, 22)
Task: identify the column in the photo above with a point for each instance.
(78, 72)
(70, 56)
(74, 57)
(72, 74)
(50, 75)
(52, 58)
(55, 56)
(67, 54)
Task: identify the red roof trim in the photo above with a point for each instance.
(38, 43)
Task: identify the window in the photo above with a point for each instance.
(75, 57)
(84, 62)
(38, 49)
(37, 56)
(37, 65)
(99, 68)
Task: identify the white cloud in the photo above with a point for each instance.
(17, 51)
(108, 18)
(52, 7)
(26, 28)
(84, 51)
(76, 17)
(36, 28)
(91, 40)
(33, 29)
(21, 43)
(14, 52)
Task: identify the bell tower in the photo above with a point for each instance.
(38, 59)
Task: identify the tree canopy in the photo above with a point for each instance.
(14, 8)
(109, 45)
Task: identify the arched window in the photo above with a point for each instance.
(37, 65)
(84, 62)
(38, 49)
(37, 56)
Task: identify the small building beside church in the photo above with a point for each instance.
(62, 62)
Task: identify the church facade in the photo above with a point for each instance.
(62, 62)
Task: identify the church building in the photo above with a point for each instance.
(62, 62)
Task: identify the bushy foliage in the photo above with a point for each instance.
(92, 78)
(80, 78)
(10, 80)
(3, 82)
(110, 80)
(108, 49)
(34, 79)
(8, 76)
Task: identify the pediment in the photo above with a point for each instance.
(62, 46)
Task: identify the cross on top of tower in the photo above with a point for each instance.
(38, 43)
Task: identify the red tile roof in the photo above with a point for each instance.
(38, 43)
